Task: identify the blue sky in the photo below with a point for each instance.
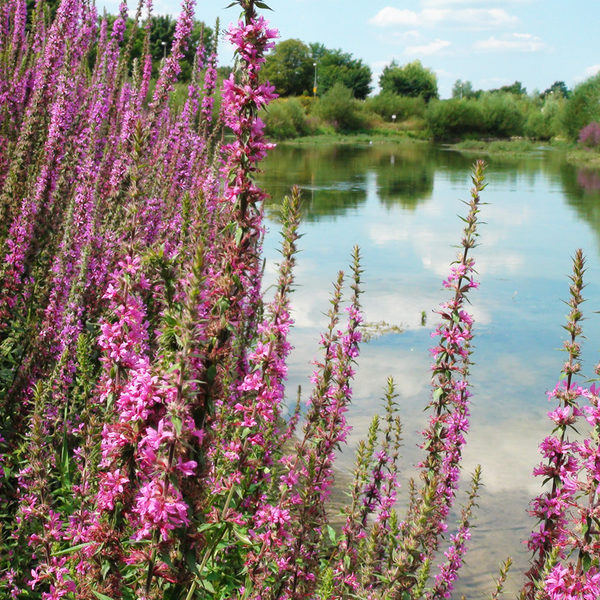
(488, 42)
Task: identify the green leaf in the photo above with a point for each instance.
(177, 424)
(71, 549)
(239, 232)
(101, 596)
(241, 535)
(332, 534)
(104, 569)
(586, 562)
(211, 373)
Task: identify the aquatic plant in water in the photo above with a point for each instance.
(146, 448)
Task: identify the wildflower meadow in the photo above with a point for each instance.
(149, 448)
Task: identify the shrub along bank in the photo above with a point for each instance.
(487, 115)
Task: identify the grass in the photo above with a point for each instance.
(580, 157)
(512, 146)
(366, 137)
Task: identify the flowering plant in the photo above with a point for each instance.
(145, 446)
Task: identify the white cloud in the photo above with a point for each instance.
(586, 74)
(389, 16)
(593, 70)
(470, 18)
(463, 2)
(428, 49)
(515, 42)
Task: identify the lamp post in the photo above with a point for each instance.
(315, 82)
(164, 45)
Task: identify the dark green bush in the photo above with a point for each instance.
(544, 122)
(492, 115)
(387, 104)
(582, 107)
(285, 118)
(537, 127)
(502, 116)
(455, 118)
(339, 108)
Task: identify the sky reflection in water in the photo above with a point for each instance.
(399, 203)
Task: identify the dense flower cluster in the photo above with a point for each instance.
(146, 447)
(589, 136)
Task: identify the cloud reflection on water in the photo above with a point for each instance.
(534, 221)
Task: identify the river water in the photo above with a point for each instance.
(399, 203)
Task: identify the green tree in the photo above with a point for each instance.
(413, 79)
(336, 66)
(455, 118)
(462, 89)
(289, 68)
(515, 88)
(582, 107)
(340, 109)
(558, 88)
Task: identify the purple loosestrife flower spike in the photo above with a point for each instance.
(562, 465)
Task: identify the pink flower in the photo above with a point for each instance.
(160, 507)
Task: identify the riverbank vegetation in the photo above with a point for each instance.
(149, 449)
(408, 104)
(489, 115)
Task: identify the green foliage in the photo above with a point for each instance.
(462, 89)
(537, 127)
(515, 88)
(544, 123)
(582, 107)
(336, 66)
(502, 116)
(162, 31)
(413, 79)
(386, 104)
(344, 112)
(48, 6)
(289, 67)
(557, 89)
(286, 118)
(161, 38)
(494, 115)
(454, 118)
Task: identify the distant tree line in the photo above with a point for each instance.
(493, 114)
(295, 68)
(409, 92)
(464, 89)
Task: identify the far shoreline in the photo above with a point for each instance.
(514, 147)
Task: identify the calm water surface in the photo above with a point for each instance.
(400, 203)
